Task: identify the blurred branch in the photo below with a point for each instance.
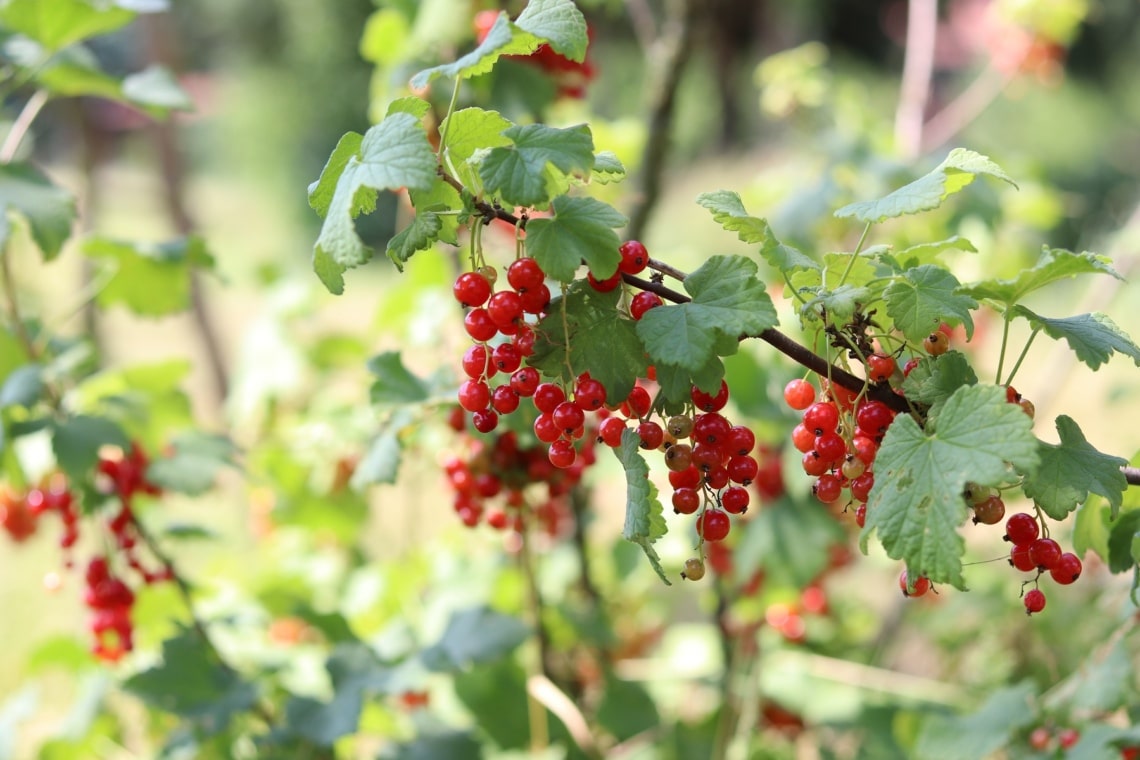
(969, 105)
(162, 48)
(641, 19)
(671, 56)
(918, 68)
(546, 693)
(21, 125)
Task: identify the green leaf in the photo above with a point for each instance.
(393, 154)
(916, 505)
(1122, 536)
(929, 191)
(1093, 337)
(626, 709)
(1101, 685)
(48, 209)
(580, 230)
(468, 132)
(518, 173)
(60, 651)
(560, 23)
(1072, 469)
(191, 683)
(981, 733)
(840, 303)
(156, 86)
(924, 297)
(22, 387)
(76, 441)
(55, 24)
(417, 236)
(475, 635)
(504, 38)
(1091, 528)
(927, 253)
(495, 695)
(395, 383)
(728, 211)
(608, 167)
(192, 467)
(789, 541)
(321, 192)
(936, 378)
(381, 463)
(602, 339)
(150, 279)
(644, 515)
(355, 672)
(728, 301)
(1052, 265)
(441, 197)
(416, 107)
(441, 746)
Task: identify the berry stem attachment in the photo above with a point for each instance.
(854, 255)
(1021, 358)
(1006, 319)
(447, 118)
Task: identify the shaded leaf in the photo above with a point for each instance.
(936, 378)
(518, 172)
(728, 210)
(980, 733)
(644, 515)
(504, 38)
(395, 383)
(560, 23)
(928, 192)
(192, 467)
(580, 230)
(1093, 337)
(1069, 471)
(475, 635)
(1052, 265)
(22, 387)
(150, 279)
(924, 297)
(48, 209)
(76, 442)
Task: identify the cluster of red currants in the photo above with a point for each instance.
(20, 512)
(492, 483)
(1034, 552)
(110, 601)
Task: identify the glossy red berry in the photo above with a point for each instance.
(1045, 553)
(562, 454)
(479, 325)
(1021, 529)
(590, 394)
(536, 299)
(690, 478)
(506, 357)
(474, 395)
(475, 362)
(880, 367)
(936, 344)
(803, 439)
(862, 485)
(686, 501)
(651, 434)
(1067, 569)
(643, 302)
(547, 396)
(545, 429)
(568, 416)
(525, 381)
(525, 274)
(471, 289)
(716, 477)
(861, 515)
(606, 285)
(814, 465)
(634, 257)
(1034, 601)
(799, 394)
(504, 399)
(741, 469)
(1019, 558)
(921, 585)
(710, 402)
(610, 431)
(485, 420)
(505, 309)
(713, 525)
(735, 499)
(831, 448)
(909, 366)
(740, 440)
(873, 418)
(989, 511)
(821, 417)
(679, 457)
(638, 402)
(828, 488)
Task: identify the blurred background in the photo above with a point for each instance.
(800, 106)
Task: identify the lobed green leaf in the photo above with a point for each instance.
(728, 211)
(518, 172)
(936, 378)
(928, 192)
(581, 229)
(193, 464)
(150, 279)
(916, 504)
(560, 23)
(1052, 265)
(48, 209)
(504, 38)
(55, 24)
(923, 297)
(1069, 471)
(980, 733)
(1093, 337)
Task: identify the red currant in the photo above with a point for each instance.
(562, 454)
(638, 402)
(479, 324)
(880, 367)
(713, 525)
(831, 448)
(545, 428)
(1021, 529)
(525, 381)
(936, 344)
(679, 457)
(711, 429)
(799, 394)
(1045, 553)
(606, 285)
(506, 357)
(1034, 601)
(862, 485)
(990, 511)
(651, 435)
(643, 302)
(504, 399)
(1067, 569)
(686, 501)
(484, 420)
(505, 309)
(474, 395)
(536, 299)
(610, 431)
(803, 439)
(873, 418)
(741, 469)
(710, 402)
(1019, 558)
(921, 585)
(690, 478)
(471, 289)
(828, 488)
(735, 500)
(524, 274)
(634, 257)
(821, 417)
(740, 441)
(547, 396)
(861, 515)
(590, 394)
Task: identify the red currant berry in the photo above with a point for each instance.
(880, 367)
(525, 381)
(505, 309)
(475, 364)
(831, 448)
(606, 285)
(936, 344)
(504, 399)
(524, 274)
(711, 429)
(690, 478)
(638, 402)
(479, 325)
(547, 396)
(590, 394)
(535, 300)
(717, 477)
(989, 511)
(909, 366)
(634, 257)
(713, 525)
(803, 439)
(735, 500)
(814, 465)
(562, 454)
(822, 417)
(1011, 395)
(861, 515)
(471, 289)
(643, 302)
(873, 418)
(506, 357)
(862, 485)
(568, 416)
(1040, 739)
(740, 441)
(686, 501)
(921, 585)
(710, 402)
(828, 488)
(524, 340)
(610, 431)
(484, 420)
(1034, 601)
(679, 457)
(799, 394)
(1021, 529)
(1068, 738)
(865, 448)
(1067, 569)
(1019, 558)
(474, 395)
(1045, 553)
(545, 428)
(707, 457)
(741, 469)
(651, 435)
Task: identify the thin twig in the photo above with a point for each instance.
(918, 67)
(21, 125)
(677, 45)
(964, 109)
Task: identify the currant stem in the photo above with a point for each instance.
(21, 125)
(1021, 358)
(447, 118)
(854, 255)
(1004, 341)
